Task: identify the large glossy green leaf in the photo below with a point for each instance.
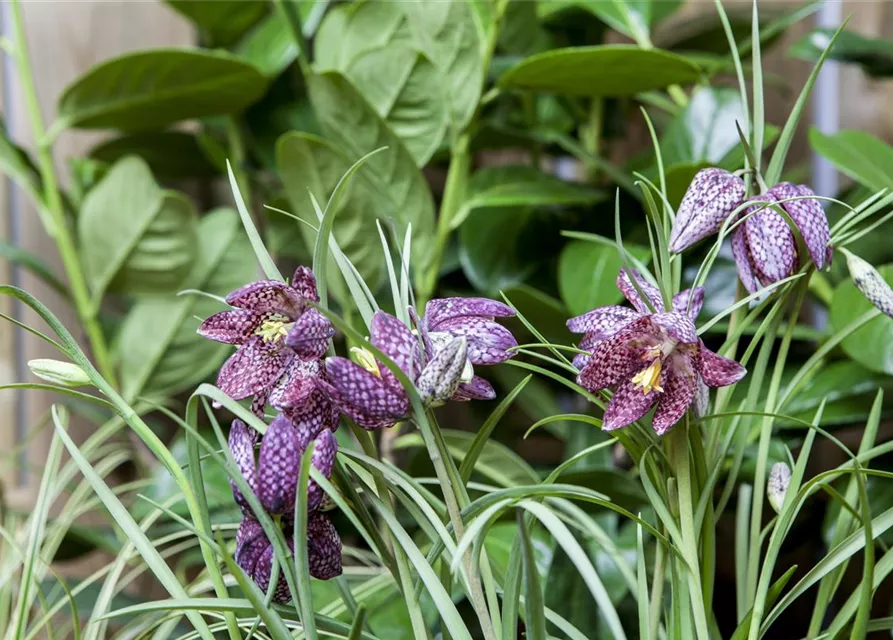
(157, 348)
(151, 89)
(705, 131)
(357, 129)
(587, 273)
(607, 70)
(136, 236)
(859, 155)
(873, 55)
(169, 154)
(871, 345)
(488, 248)
(311, 164)
(369, 41)
(221, 22)
(521, 186)
(270, 46)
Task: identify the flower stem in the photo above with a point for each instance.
(54, 210)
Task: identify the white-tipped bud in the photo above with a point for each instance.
(870, 283)
(779, 481)
(442, 375)
(66, 374)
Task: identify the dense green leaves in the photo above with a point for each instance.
(356, 129)
(632, 17)
(873, 55)
(152, 89)
(872, 344)
(221, 21)
(140, 238)
(859, 155)
(169, 154)
(609, 70)
(587, 274)
(157, 348)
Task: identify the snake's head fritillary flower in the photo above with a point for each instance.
(273, 325)
(254, 552)
(649, 356)
(870, 283)
(475, 320)
(273, 477)
(710, 199)
(764, 246)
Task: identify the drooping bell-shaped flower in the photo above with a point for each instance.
(763, 245)
(475, 320)
(254, 552)
(273, 477)
(870, 283)
(273, 325)
(710, 199)
(649, 358)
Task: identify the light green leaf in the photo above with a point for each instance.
(607, 70)
(157, 347)
(587, 273)
(15, 163)
(270, 46)
(221, 21)
(872, 344)
(858, 154)
(631, 17)
(356, 129)
(152, 89)
(141, 239)
(873, 55)
(705, 130)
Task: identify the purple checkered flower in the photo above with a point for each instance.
(456, 335)
(710, 199)
(764, 246)
(279, 336)
(273, 477)
(649, 357)
(254, 552)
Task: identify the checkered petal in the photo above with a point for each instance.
(441, 309)
(323, 548)
(263, 571)
(580, 360)
(241, 444)
(689, 302)
(625, 284)
(255, 366)
(718, 371)
(604, 321)
(743, 262)
(396, 340)
(616, 358)
(314, 415)
(363, 396)
(680, 386)
(296, 384)
(234, 326)
(477, 389)
(309, 336)
(277, 467)
(711, 198)
(627, 405)
(488, 342)
(304, 283)
(770, 243)
(323, 460)
(870, 283)
(251, 542)
(440, 377)
(677, 325)
(810, 218)
(267, 295)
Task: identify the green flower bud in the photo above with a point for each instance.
(870, 283)
(779, 480)
(66, 374)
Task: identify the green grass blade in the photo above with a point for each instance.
(302, 562)
(759, 106)
(533, 592)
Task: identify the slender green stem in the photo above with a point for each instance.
(591, 135)
(54, 218)
(292, 16)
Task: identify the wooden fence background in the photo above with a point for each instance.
(67, 37)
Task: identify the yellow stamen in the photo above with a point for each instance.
(366, 360)
(273, 330)
(648, 379)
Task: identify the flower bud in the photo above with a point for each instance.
(712, 196)
(870, 283)
(779, 480)
(66, 374)
(442, 375)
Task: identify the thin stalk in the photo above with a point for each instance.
(57, 226)
(657, 591)
(237, 150)
(591, 135)
(292, 16)
(756, 508)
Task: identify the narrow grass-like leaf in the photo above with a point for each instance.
(642, 586)
(533, 592)
(774, 591)
(759, 108)
(302, 563)
(266, 262)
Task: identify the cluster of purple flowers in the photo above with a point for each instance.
(282, 341)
